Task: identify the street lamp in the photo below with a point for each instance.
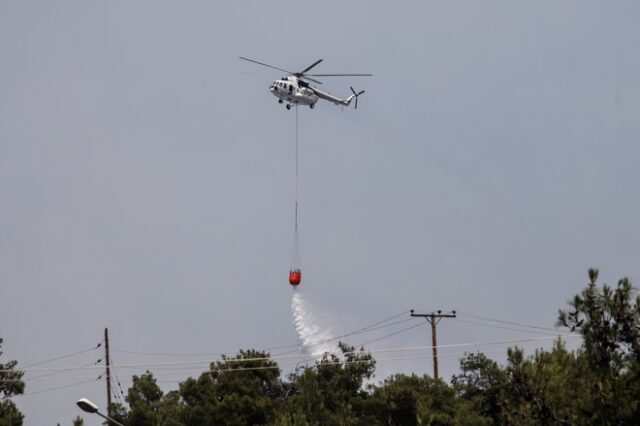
(92, 408)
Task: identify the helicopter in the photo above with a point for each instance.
(294, 89)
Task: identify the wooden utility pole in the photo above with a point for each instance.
(108, 372)
(434, 318)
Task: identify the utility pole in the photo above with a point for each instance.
(108, 372)
(434, 318)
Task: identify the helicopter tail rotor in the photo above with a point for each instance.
(355, 95)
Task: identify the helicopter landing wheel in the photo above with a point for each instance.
(280, 101)
(288, 106)
(312, 105)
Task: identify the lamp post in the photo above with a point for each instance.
(92, 408)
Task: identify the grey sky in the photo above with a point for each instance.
(146, 174)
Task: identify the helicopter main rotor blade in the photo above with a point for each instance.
(341, 75)
(266, 65)
(304, 77)
(310, 66)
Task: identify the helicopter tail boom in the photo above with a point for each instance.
(344, 102)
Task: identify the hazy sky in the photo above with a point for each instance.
(146, 175)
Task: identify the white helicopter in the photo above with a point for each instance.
(294, 90)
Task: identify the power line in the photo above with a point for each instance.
(58, 387)
(339, 362)
(361, 330)
(365, 329)
(369, 329)
(113, 367)
(62, 357)
(506, 322)
(312, 358)
(373, 351)
(381, 322)
(391, 334)
(346, 362)
(511, 328)
(59, 371)
(387, 335)
(116, 396)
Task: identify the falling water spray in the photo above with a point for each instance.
(314, 337)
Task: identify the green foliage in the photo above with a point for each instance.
(413, 400)
(331, 392)
(9, 414)
(240, 390)
(609, 321)
(10, 378)
(480, 385)
(118, 412)
(246, 387)
(78, 421)
(144, 398)
(598, 384)
(10, 385)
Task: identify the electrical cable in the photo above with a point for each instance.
(63, 356)
(362, 331)
(391, 334)
(275, 348)
(340, 362)
(379, 350)
(113, 368)
(116, 396)
(59, 371)
(387, 319)
(345, 362)
(333, 339)
(57, 388)
(511, 328)
(505, 322)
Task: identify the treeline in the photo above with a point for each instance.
(597, 384)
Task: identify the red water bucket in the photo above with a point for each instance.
(295, 276)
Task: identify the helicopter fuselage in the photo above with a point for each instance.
(292, 90)
(296, 91)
